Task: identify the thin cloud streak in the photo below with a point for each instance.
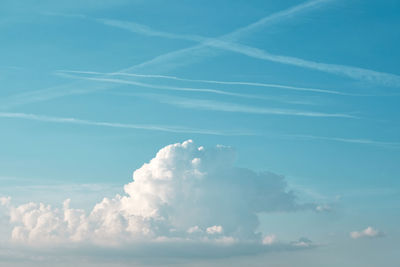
(165, 87)
(51, 119)
(235, 35)
(200, 51)
(189, 89)
(219, 106)
(74, 88)
(356, 73)
(276, 17)
(347, 140)
(197, 52)
(201, 104)
(254, 84)
(162, 128)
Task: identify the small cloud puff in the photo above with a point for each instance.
(303, 242)
(269, 240)
(5, 201)
(216, 229)
(323, 208)
(368, 232)
(194, 229)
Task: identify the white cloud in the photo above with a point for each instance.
(367, 232)
(184, 194)
(162, 128)
(255, 84)
(347, 140)
(203, 104)
(161, 63)
(269, 240)
(216, 229)
(303, 242)
(323, 208)
(177, 88)
(227, 42)
(194, 229)
(5, 201)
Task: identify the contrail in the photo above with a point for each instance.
(274, 18)
(200, 51)
(74, 88)
(51, 119)
(191, 103)
(238, 33)
(162, 128)
(346, 140)
(165, 87)
(225, 43)
(382, 78)
(190, 89)
(197, 52)
(254, 84)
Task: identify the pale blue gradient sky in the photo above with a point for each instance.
(60, 129)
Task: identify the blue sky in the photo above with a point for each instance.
(92, 90)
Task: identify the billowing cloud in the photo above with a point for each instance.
(368, 232)
(184, 194)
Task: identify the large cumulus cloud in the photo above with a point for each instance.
(185, 193)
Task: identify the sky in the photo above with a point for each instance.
(192, 133)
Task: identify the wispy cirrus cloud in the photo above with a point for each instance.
(216, 105)
(226, 42)
(246, 83)
(74, 88)
(382, 78)
(362, 141)
(277, 17)
(213, 105)
(178, 129)
(162, 128)
(114, 79)
(162, 63)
